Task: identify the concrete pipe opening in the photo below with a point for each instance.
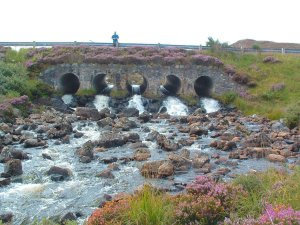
(136, 84)
(203, 86)
(100, 84)
(172, 85)
(69, 83)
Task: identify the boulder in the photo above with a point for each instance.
(276, 158)
(111, 139)
(144, 117)
(125, 124)
(130, 112)
(13, 167)
(78, 135)
(165, 143)
(33, 143)
(200, 161)
(6, 218)
(86, 153)
(88, 113)
(68, 217)
(105, 122)
(59, 173)
(165, 170)
(180, 162)
(141, 154)
(4, 182)
(9, 153)
(60, 130)
(197, 129)
(150, 169)
(106, 174)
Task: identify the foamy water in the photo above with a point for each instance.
(136, 102)
(101, 102)
(67, 99)
(210, 105)
(175, 107)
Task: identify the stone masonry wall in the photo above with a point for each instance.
(155, 74)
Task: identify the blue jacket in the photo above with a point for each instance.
(115, 37)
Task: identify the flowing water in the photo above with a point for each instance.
(210, 105)
(34, 195)
(101, 102)
(136, 102)
(67, 99)
(136, 89)
(175, 107)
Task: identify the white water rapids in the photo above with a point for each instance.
(67, 99)
(136, 102)
(175, 107)
(210, 105)
(101, 102)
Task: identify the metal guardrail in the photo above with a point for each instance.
(124, 45)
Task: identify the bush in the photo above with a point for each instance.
(228, 97)
(292, 118)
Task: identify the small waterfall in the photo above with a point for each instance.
(175, 107)
(210, 105)
(67, 99)
(136, 89)
(136, 102)
(101, 102)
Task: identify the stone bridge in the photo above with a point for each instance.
(188, 80)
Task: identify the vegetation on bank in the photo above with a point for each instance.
(271, 197)
(272, 87)
(275, 91)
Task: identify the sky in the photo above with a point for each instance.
(155, 21)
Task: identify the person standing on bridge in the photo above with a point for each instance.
(115, 38)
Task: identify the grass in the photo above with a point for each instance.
(150, 207)
(88, 92)
(272, 186)
(264, 101)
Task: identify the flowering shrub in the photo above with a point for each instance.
(105, 55)
(110, 214)
(279, 214)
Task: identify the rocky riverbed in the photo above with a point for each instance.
(64, 165)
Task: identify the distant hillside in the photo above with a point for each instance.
(248, 43)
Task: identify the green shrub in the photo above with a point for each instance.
(228, 97)
(272, 187)
(150, 207)
(13, 56)
(292, 118)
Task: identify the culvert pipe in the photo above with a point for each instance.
(137, 89)
(203, 86)
(69, 83)
(171, 86)
(100, 84)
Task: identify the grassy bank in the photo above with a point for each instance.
(277, 91)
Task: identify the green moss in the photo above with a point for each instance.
(88, 92)
(119, 93)
(191, 100)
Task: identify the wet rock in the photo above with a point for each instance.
(105, 122)
(182, 129)
(113, 166)
(88, 113)
(6, 218)
(4, 182)
(58, 173)
(33, 143)
(68, 217)
(8, 139)
(180, 162)
(223, 145)
(276, 158)
(13, 167)
(66, 140)
(137, 145)
(110, 140)
(144, 117)
(5, 128)
(166, 169)
(150, 169)
(257, 140)
(166, 144)
(141, 154)
(109, 160)
(46, 156)
(200, 161)
(125, 124)
(130, 112)
(106, 174)
(199, 111)
(223, 171)
(60, 130)
(78, 135)
(152, 136)
(197, 129)
(295, 147)
(86, 153)
(206, 168)
(9, 153)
